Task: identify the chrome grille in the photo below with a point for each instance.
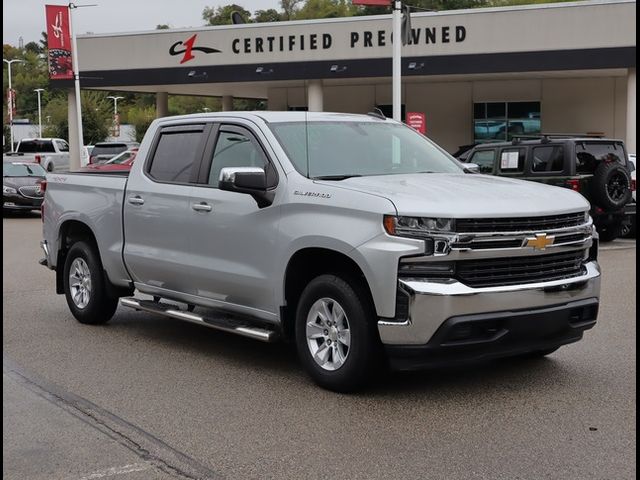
(522, 224)
(491, 272)
(30, 191)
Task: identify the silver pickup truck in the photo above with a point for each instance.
(51, 153)
(352, 236)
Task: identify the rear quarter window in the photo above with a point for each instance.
(512, 160)
(547, 159)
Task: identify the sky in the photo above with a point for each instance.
(25, 18)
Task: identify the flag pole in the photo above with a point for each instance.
(75, 163)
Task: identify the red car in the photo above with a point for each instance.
(120, 163)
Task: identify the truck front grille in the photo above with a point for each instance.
(524, 224)
(492, 272)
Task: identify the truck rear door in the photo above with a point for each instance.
(157, 221)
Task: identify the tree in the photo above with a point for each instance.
(141, 118)
(325, 9)
(222, 15)
(289, 8)
(96, 117)
(263, 16)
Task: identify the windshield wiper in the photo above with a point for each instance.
(335, 177)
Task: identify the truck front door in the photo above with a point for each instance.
(230, 236)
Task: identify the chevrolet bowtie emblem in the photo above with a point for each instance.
(541, 241)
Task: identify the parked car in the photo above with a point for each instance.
(120, 163)
(51, 153)
(595, 167)
(630, 231)
(85, 154)
(352, 236)
(104, 151)
(21, 186)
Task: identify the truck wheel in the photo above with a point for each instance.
(610, 232)
(611, 186)
(50, 168)
(335, 333)
(84, 286)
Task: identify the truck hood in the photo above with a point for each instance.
(466, 195)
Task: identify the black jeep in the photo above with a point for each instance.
(598, 168)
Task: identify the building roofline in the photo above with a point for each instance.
(469, 11)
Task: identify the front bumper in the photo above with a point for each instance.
(18, 202)
(433, 304)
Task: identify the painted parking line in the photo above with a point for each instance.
(113, 471)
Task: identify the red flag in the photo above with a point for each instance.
(59, 42)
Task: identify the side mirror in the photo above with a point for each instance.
(472, 168)
(250, 180)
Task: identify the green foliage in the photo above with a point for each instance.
(289, 8)
(325, 9)
(270, 15)
(222, 15)
(141, 118)
(96, 117)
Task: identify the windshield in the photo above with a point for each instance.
(121, 158)
(336, 150)
(22, 170)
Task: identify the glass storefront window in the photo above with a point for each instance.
(495, 121)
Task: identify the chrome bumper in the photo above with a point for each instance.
(45, 261)
(432, 302)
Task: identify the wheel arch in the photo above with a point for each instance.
(306, 264)
(72, 231)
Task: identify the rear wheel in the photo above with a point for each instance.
(610, 233)
(84, 286)
(50, 168)
(335, 333)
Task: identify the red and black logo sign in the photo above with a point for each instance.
(189, 48)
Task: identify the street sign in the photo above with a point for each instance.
(417, 121)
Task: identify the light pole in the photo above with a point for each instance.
(10, 104)
(115, 104)
(39, 91)
(116, 121)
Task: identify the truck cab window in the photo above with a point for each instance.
(174, 156)
(234, 150)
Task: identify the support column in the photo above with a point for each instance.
(227, 103)
(72, 118)
(315, 96)
(162, 104)
(631, 111)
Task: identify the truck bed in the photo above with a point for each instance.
(95, 199)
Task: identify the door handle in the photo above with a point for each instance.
(136, 200)
(201, 207)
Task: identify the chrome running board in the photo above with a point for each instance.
(224, 324)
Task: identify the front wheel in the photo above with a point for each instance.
(84, 286)
(335, 333)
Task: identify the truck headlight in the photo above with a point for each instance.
(6, 189)
(417, 226)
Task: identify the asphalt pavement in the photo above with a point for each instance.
(145, 397)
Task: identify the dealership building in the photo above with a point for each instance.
(476, 75)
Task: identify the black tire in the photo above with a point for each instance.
(610, 232)
(50, 167)
(611, 187)
(99, 307)
(363, 354)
